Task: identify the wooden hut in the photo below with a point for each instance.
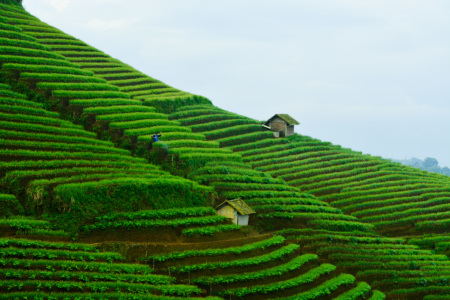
(236, 210)
(282, 125)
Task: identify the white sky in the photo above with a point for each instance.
(369, 75)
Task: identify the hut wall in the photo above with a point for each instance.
(226, 211)
(242, 220)
(277, 124)
(290, 130)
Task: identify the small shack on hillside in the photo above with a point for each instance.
(236, 210)
(282, 125)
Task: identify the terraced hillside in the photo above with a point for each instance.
(77, 148)
(398, 200)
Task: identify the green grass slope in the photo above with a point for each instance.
(63, 81)
(396, 199)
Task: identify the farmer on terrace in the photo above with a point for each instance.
(156, 136)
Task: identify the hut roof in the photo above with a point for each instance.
(239, 205)
(285, 117)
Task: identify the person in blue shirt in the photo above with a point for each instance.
(156, 136)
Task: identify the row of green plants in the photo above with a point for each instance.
(35, 119)
(246, 262)
(21, 51)
(76, 86)
(276, 240)
(141, 87)
(5, 102)
(153, 224)
(247, 138)
(42, 68)
(46, 129)
(220, 124)
(13, 59)
(294, 172)
(99, 287)
(232, 131)
(210, 230)
(279, 270)
(440, 218)
(143, 124)
(75, 266)
(313, 162)
(36, 253)
(411, 194)
(76, 163)
(158, 214)
(329, 286)
(24, 223)
(102, 101)
(399, 204)
(302, 279)
(324, 177)
(24, 274)
(134, 116)
(105, 110)
(406, 210)
(27, 110)
(434, 225)
(283, 153)
(59, 146)
(289, 161)
(91, 296)
(30, 154)
(60, 78)
(25, 243)
(216, 117)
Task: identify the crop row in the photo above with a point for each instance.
(29, 154)
(277, 240)
(279, 270)
(99, 287)
(158, 214)
(261, 194)
(59, 146)
(44, 69)
(246, 262)
(64, 163)
(397, 204)
(22, 51)
(23, 243)
(321, 159)
(146, 224)
(61, 78)
(209, 230)
(74, 266)
(276, 163)
(221, 124)
(246, 138)
(36, 119)
(91, 296)
(303, 279)
(105, 110)
(237, 178)
(12, 59)
(19, 102)
(329, 286)
(59, 254)
(24, 224)
(23, 274)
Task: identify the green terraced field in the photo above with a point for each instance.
(78, 164)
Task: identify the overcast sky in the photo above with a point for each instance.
(369, 75)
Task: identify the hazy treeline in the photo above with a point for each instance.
(428, 164)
